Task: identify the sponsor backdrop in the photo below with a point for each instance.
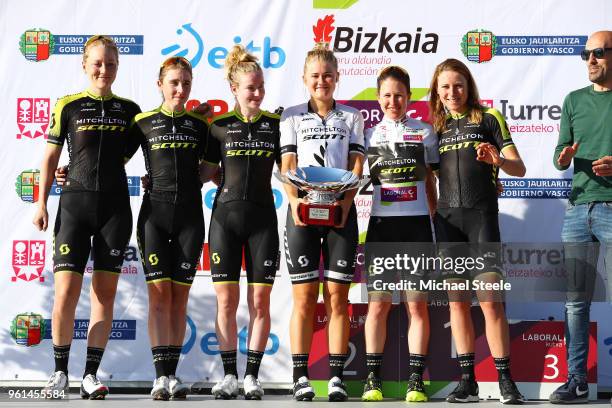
(524, 56)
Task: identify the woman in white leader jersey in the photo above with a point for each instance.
(324, 133)
(401, 152)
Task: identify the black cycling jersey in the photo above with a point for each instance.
(247, 151)
(96, 129)
(173, 145)
(464, 181)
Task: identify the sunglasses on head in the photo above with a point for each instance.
(174, 61)
(597, 52)
(94, 38)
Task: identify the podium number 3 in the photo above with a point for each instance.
(552, 365)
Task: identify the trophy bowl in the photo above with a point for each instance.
(323, 187)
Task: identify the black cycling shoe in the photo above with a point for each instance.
(466, 391)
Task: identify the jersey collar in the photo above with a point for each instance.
(170, 113)
(243, 119)
(458, 115)
(402, 121)
(98, 97)
(310, 110)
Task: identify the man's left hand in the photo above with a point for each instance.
(603, 166)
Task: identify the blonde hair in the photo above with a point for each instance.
(322, 53)
(174, 62)
(98, 39)
(239, 61)
(436, 107)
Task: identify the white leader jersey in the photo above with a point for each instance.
(391, 147)
(321, 142)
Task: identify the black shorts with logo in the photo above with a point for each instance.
(170, 234)
(398, 229)
(479, 229)
(304, 245)
(238, 224)
(91, 221)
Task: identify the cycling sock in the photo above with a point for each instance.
(336, 365)
(300, 366)
(503, 367)
(160, 355)
(229, 362)
(253, 362)
(374, 363)
(92, 361)
(466, 363)
(174, 354)
(416, 364)
(60, 354)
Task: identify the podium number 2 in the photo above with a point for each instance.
(350, 358)
(552, 365)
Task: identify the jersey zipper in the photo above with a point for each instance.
(175, 159)
(246, 179)
(457, 157)
(102, 114)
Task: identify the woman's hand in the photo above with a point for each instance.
(294, 203)
(486, 152)
(345, 205)
(61, 173)
(41, 218)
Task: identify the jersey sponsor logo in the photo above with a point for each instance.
(153, 259)
(33, 117)
(64, 249)
(28, 260)
(215, 258)
(412, 137)
(84, 128)
(397, 170)
(271, 56)
(174, 145)
(398, 194)
(249, 152)
(39, 44)
(480, 45)
(186, 265)
(26, 185)
(457, 146)
(323, 137)
(303, 261)
(115, 252)
(264, 126)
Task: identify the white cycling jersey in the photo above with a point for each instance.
(397, 154)
(323, 142)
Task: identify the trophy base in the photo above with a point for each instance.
(324, 215)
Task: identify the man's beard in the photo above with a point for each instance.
(598, 77)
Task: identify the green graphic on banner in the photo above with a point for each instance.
(333, 4)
